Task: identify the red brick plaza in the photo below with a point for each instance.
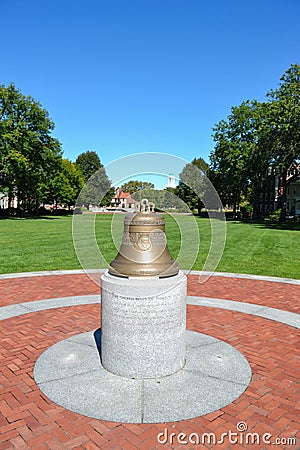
(269, 407)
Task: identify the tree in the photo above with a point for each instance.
(134, 186)
(65, 186)
(285, 118)
(191, 187)
(201, 164)
(163, 199)
(259, 141)
(88, 162)
(284, 125)
(241, 156)
(28, 152)
(97, 191)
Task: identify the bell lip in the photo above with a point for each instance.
(170, 271)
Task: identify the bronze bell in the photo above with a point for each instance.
(144, 251)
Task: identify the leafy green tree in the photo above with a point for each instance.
(28, 152)
(133, 186)
(257, 142)
(65, 186)
(163, 199)
(172, 201)
(240, 155)
(284, 126)
(88, 162)
(201, 164)
(191, 187)
(285, 118)
(97, 191)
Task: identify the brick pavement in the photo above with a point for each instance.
(271, 403)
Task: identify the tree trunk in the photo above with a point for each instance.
(10, 199)
(282, 197)
(36, 206)
(256, 202)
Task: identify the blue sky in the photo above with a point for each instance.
(127, 76)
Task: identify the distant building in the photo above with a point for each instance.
(122, 200)
(293, 190)
(4, 201)
(268, 196)
(171, 181)
(273, 189)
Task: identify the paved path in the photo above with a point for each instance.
(269, 407)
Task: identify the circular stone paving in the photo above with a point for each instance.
(70, 374)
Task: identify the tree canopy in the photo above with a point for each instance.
(32, 168)
(88, 162)
(133, 186)
(29, 155)
(259, 140)
(65, 186)
(191, 186)
(97, 190)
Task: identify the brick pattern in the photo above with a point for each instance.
(275, 295)
(29, 420)
(20, 290)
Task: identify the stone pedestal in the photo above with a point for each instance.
(143, 323)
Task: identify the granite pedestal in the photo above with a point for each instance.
(143, 323)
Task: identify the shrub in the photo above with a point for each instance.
(275, 215)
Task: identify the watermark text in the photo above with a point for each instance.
(240, 436)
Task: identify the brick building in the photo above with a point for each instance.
(122, 200)
(273, 188)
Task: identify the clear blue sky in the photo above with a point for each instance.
(129, 76)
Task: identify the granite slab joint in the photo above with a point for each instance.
(74, 378)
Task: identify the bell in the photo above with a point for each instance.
(144, 251)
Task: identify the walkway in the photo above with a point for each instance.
(269, 407)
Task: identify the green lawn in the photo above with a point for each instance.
(46, 244)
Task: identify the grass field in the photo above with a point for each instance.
(46, 244)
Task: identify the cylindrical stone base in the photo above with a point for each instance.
(143, 321)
